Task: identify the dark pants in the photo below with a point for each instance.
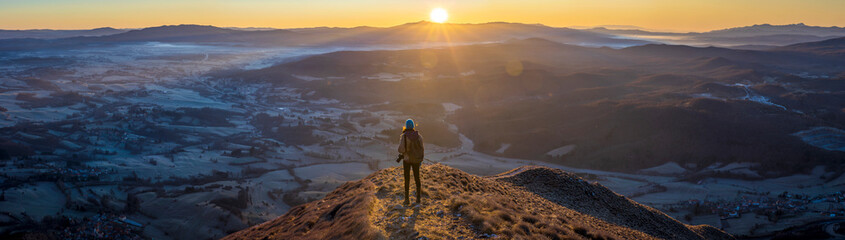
(408, 167)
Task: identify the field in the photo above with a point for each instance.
(199, 140)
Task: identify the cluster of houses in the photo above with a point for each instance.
(103, 226)
(784, 204)
(81, 174)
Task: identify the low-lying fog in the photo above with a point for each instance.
(200, 140)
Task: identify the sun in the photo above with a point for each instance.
(439, 15)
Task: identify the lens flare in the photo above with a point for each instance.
(514, 68)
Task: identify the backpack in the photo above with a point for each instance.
(413, 147)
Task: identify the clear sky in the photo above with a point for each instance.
(680, 15)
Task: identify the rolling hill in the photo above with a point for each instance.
(831, 47)
(625, 109)
(760, 36)
(49, 33)
(411, 33)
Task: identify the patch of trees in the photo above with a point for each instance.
(210, 117)
(234, 205)
(45, 141)
(103, 152)
(160, 134)
(133, 178)
(718, 174)
(265, 122)
(133, 204)
(275, 128)
(251, 152)
(297, 135)
(56, 99)
(250, 172)
(200, 179)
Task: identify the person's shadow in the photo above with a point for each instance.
(412, 220)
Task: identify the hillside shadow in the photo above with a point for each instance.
(575, 193)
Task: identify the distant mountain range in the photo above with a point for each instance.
(768, 29)
(619, 106)
(48, 33)
(761, 36)
(423, 32)
(411, 33)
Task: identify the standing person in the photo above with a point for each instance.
(411, 150)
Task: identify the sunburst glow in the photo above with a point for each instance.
(439, 15)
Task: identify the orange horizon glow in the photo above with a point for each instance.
(669, 15)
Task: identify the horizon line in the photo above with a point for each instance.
(607, 26)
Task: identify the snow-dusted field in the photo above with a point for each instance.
(151, 121)
(205, 155)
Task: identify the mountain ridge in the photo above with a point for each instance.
(422, 32)
(51, 33)
(527, 202)
(764, 35)
(830, 47)
(781, 29)
(759, 36)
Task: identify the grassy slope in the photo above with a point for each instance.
(526, 203)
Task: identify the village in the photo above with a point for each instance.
(785, 204)
(102, 226)
(124, 144)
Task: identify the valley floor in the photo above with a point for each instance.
(170, 153)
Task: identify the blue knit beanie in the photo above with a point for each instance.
(409, 124)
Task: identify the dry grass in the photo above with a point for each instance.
(342, 214)
(455, 204)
